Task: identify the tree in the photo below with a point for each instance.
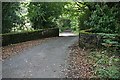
(104, 18)
(43, 14)
(10, 16)
(72, 13)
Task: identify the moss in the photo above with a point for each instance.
(12, 38)
(85, 32)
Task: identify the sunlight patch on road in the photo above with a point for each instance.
(67, 34)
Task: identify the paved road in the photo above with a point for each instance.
(46, 60)
(67, 34)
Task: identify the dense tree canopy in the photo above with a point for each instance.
(39, 14)
(104, 17)
(99, 17)
(44, 14)
(10, 17)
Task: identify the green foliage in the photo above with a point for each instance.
(104, 19)
(84, 14)
(64, 24)
(105, 66)
(111, 41)
(39, 15)
(10, 16)
(44, 14)
(70, 13)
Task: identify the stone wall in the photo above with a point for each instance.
(87, 40)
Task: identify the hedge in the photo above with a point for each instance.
(12, 38)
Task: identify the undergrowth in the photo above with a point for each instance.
(105, 63)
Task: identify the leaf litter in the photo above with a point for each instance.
(79, 65)
(10, 50)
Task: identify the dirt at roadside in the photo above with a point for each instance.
(79, 66)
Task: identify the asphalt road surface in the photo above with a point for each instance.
(47, 60)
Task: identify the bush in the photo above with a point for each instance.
(12, 38)
(104, 19)
(104, 64)
(111, 42)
